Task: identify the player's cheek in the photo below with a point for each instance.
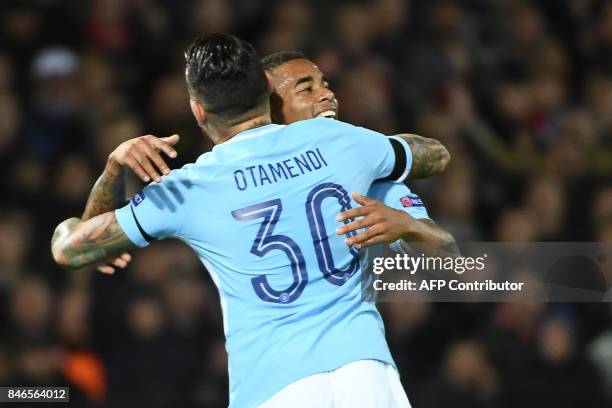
(291, 112)
(302, 111)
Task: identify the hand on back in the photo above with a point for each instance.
(143, 156)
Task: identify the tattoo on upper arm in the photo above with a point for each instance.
(429, 156)
(76, 244)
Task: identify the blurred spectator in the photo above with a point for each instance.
(600, 353)
(516, 225)
(73, 181)
(558, 375)
(15, 240)
(10, 126)
(31, 312)
(81, 366)
(213, 16)
(545, 200)
(55, 125)
(467, 379)
(289, 25)
(108, 27)
(114, 130)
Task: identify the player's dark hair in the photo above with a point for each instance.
(279, 58)
(225, 74)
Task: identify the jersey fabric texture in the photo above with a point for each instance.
(260, 212)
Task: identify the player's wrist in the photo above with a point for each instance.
(408, 227)
(112, 167)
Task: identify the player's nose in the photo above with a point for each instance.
(326, 95)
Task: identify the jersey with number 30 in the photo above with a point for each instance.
(260, 212)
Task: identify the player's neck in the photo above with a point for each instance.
(223, 135)
(252, 123)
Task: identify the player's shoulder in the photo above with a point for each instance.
(205, 159)
(397, 195)
(321, 124)
(178, 179)
(172, 193)
(383, 188)
(329, 129)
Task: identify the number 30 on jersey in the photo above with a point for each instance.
(267, 241)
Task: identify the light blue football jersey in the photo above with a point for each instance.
(398, 196)
(260, 212)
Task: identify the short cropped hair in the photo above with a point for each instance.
(279, 58)
(226, 75)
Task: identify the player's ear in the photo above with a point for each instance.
(269, 79)
(198, 111)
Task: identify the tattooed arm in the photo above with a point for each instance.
(142, 156)
(429, 156)
(77, 243)
(427, 237)
(107, 194)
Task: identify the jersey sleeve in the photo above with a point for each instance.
(158, 211)
(389, 157)
(398, 196)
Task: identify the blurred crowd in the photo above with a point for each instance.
(519, 91)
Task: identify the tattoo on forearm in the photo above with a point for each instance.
(450, 248)
(429, 156)
(432, 240)
(76, 244)
(106, 195)
(442, 249)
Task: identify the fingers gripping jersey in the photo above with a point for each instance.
(260, 212)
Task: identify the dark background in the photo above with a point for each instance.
(519, 91)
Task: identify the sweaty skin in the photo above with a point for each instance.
(300, 92)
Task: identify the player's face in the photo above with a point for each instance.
(300, 92)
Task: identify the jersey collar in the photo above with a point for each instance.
(258, 131)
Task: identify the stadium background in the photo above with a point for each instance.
(520, 92)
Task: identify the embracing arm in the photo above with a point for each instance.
(429, 156)
(142, 155)
(387, 224)
(77, 243)
(107, 194)
(427, 237)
